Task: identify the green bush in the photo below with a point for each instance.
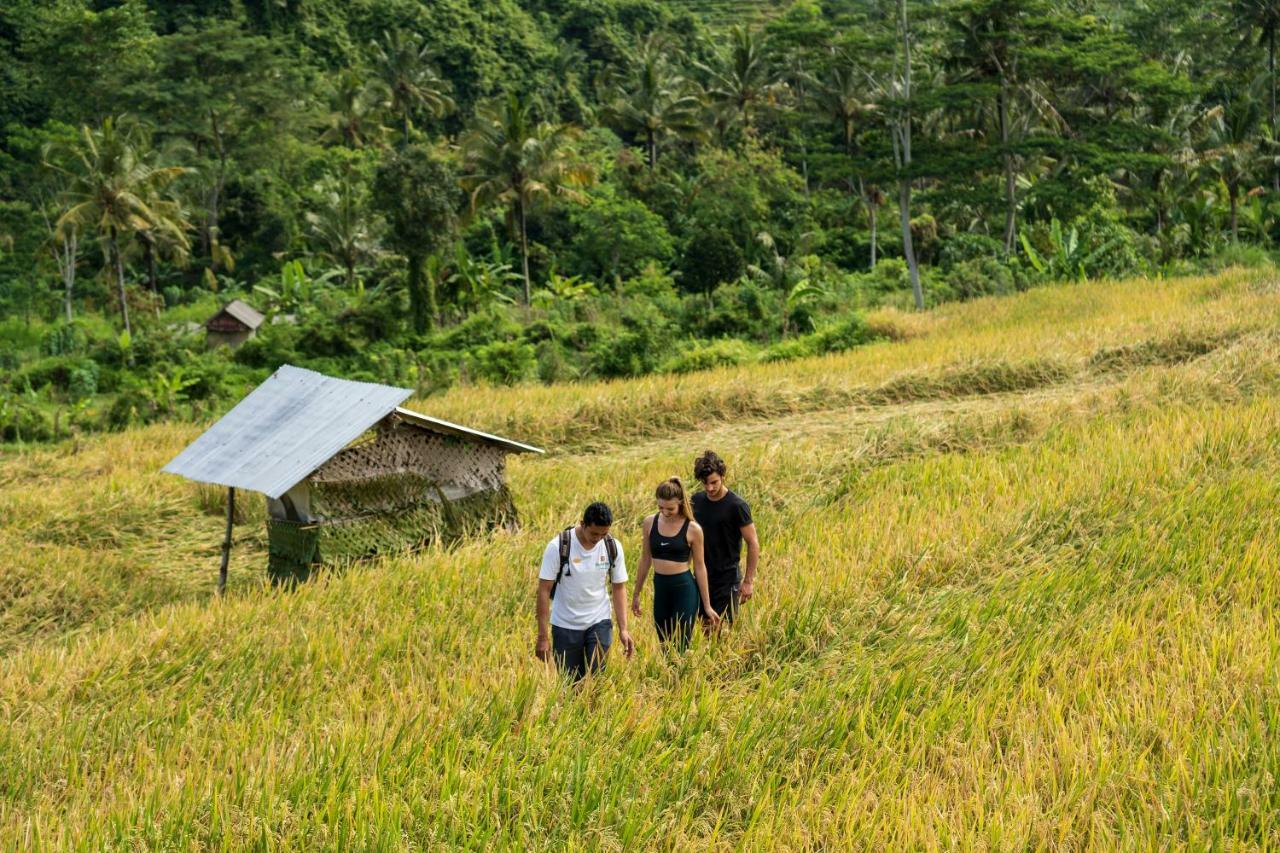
(553, 365)
(437, 371)
(705, 356)
(968, 246)
(82, 383)
(65, 339)
(23, 423)
(273, 346)
(55, 371)
(842, 335)
(744, 309)
(504, 362)
(971, 279)
(789, 349)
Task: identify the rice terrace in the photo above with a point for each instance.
(639, 425)
(1022, 591)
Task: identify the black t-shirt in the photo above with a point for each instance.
(722, 522)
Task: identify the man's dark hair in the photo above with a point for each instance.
(707, 464)
(598, 515)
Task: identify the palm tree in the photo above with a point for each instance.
(402, 64)
(1233, 154)
(656, 102)
(742, 78)
(1263, 17)
(988, 49)
(114, 189)
(510, 159)
(166, 238)
(841, 96)
(340, 227)
(353, 112)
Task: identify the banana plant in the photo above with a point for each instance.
(1068, 257)
(561, 289)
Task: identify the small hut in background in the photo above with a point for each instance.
(233, 325)
(348, 473)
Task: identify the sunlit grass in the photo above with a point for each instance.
(1040, 616)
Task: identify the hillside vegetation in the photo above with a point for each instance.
(1019, 589)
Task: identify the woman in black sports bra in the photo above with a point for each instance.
(672, 540)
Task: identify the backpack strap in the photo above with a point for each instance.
(610, 547)
(564, 559)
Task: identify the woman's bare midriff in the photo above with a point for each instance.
(667, 567)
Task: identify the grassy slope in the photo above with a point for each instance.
(1045, 614)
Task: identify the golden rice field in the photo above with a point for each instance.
(1019, 589)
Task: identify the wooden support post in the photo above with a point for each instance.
(226, 542)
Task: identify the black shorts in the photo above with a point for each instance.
(724, 596)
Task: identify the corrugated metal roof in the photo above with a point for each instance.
(286, 428)
(437, 425)
(241, 311)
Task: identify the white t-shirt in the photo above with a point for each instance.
(582, 597)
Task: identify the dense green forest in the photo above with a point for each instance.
(459, 191)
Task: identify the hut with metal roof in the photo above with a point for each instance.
(348, 473)
(233, 325)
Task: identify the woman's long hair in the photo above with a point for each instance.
(673, 490)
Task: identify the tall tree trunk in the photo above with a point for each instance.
(1271, 70)
(873, 206)
(524, 252)
(902, 147)
(908, 248)
(114, 248)
(1232, 193)
(1010, 179)
(68, 264)
(149, 251)
(421, 298)
(651, 143)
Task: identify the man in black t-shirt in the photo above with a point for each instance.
(726, 524)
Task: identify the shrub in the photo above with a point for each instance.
(744, 309)
(968, 246)
(553, 366)
(842, 335)
(980, 277)
(65, 339)
(273, 346)
(790, 349)
(504, 362)
(705, 356)
(82, 383)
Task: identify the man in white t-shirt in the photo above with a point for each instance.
(574, 594)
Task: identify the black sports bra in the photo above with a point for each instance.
(674, 549)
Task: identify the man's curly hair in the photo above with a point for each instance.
(707, 464)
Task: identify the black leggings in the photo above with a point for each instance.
(675, 606)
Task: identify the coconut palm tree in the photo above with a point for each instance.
(353, 112)
(741, 78)
(166, 238)
(1263, 18)
(340, 227)
(512, 160)
(1233, 153)
(842, 95)
(114, 189)
(655, 101)
(402, 64)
